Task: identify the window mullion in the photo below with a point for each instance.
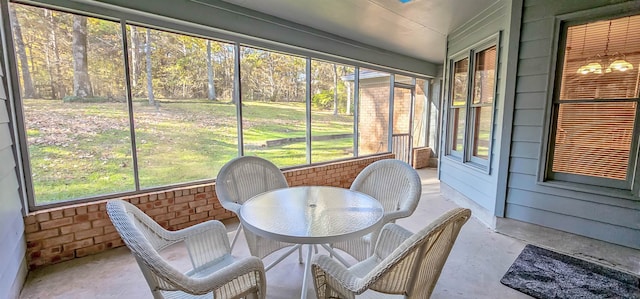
(128, 93)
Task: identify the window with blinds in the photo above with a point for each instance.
(596, 108)
(458, 104)
(482, 105)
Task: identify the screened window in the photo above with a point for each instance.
(472, 93)
(596, 105)
(331, 118)
(113, 108)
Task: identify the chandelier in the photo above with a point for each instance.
(616, 62)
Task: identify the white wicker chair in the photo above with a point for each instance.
(398, 188)
(215, 273)
(238, 181)
(403, 264)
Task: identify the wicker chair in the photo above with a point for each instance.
(403, 263)
(238, 181)
(398, 188)
(215, 273)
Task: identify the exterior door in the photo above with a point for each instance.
(402, 137)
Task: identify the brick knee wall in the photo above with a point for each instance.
(73, 231)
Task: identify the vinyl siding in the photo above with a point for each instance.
(594, 215)
(12, 247)
(479, 185)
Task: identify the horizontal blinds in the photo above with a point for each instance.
(596, 57)
(594, 139)
(484, 76)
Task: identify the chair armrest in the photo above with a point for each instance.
(393, 216)
(231, 206)
(211, 226)
(230, 281)
(391, 236)
(327, 272)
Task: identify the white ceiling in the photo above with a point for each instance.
(417, 28)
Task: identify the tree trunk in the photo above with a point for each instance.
(147, 51)
(335, 89)
(29, 91)
(135, 52)
(81, 80)
(212, 88)
(59, 91)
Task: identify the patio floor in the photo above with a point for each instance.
(478, 260)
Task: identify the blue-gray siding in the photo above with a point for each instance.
(12, 247)
(599, 216)
(479, 185)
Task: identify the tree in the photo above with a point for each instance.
(335, 89)
(211, 87)
(57, 87)
(147, 51)
(29, 91)
(81, 80)
(135, 52)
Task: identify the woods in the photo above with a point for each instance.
(76, 58)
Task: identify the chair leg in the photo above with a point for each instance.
(300, 254)
(235, 238)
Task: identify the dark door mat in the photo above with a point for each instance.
(545, 274)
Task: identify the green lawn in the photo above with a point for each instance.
(83, 149)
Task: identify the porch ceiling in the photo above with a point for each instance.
(417, 28)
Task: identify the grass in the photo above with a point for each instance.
(84, 149)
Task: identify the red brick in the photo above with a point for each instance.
(30, 219)
(56, 214)
(50, 242)
(157, 211)
(81, 210)
(75, 228)
(186, 198)
(69, 212)
(93, 208)
(185, 212)
(109, 229)
(43, 216)
(56, 223)
(34, 245)
(97, 215)
(198, 203)
(81, 217)
(89, 250)
(106, 237)
(204, 208)
(77, 244)
(114, 243)
(195, 217)
(100, 222)
(167, 216)
(89, 233)
(31, 228)
(179, 220)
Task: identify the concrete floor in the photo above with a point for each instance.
(478, 260)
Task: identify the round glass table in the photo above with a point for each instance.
(311, 215)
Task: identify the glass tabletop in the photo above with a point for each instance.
(311, 214)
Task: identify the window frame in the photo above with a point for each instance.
(627, 189)
(466, 157)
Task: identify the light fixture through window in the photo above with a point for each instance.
(596, 64)
(619, 63)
